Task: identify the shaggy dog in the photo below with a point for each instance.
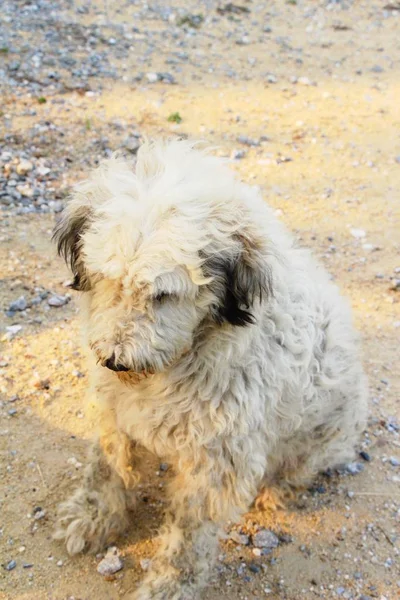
(217, 345)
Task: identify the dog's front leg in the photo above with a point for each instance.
(203, 498)
(97, 511)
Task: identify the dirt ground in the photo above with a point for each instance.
(318, 99)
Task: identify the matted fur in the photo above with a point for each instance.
(230, 353)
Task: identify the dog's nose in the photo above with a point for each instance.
(111, 364)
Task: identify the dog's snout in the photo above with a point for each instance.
(113, 365)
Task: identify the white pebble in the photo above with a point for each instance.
(358, 233)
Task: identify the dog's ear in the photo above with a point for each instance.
(237, 282)
(68, 237)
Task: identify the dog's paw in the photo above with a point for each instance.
(86, 524)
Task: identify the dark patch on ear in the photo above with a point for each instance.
(238, 282)
(68, 236)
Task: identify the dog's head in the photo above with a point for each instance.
(161, 252)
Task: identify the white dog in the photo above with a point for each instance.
(218, 345)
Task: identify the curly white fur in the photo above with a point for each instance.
(230, 353)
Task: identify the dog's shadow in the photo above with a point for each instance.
(148, 512)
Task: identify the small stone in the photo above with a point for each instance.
(132, 144)
(39, 514)
(42, 171)
(365, 456)
(395, 462)
(244, 139)
(111, 563)
(391, 424)
(10, 565)
(152, 77)
(285, 538)
(74, 462)
(304, 81)
(19, 304)
(239, 538)
(238, 154)
(340, 591)
(24, 167)
(388, 563)
(395, 284)
(25, 190)
(166, 77)
(56, 205)
(256, 551)
(164, 466)
(57, 300)
(369, 247)
(272, 78)
(358, 233)
(254, 568)
(243, 41)
(12, 412)
(377, 69)
(14, 65)
(12, 331)
(78, 374)
(283, 159)
(354, 468)
(264, 538)
(60, 563)
(318, 489)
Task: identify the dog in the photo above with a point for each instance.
(216, 343)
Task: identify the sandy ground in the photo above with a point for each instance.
(339, 193)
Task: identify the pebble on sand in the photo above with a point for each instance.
(10, 565)
(19, 304)
(357, 233)
(57, 300)
(111, 563)
(264, 538)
